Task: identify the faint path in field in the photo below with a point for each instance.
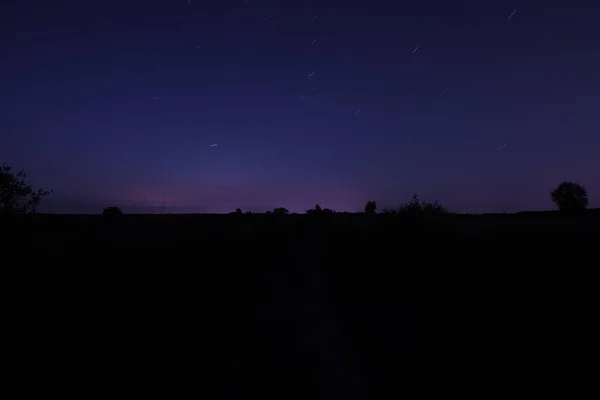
(297, 324)
(316, 320)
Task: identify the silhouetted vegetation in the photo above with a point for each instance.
(370, 207)
(112, 212)
(280, 211)
(418, 208)
(570, 197)
(317, 210)
(263, 299)
(17, 196)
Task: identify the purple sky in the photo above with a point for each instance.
(118, 102)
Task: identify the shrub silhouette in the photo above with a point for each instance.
(16, 195)
(370, 207)
(418, 208)
(570, 197)
(112, 212)
(280, 211)
(316, 210)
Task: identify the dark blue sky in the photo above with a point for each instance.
(120, 101)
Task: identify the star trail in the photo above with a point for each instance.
(483, 107)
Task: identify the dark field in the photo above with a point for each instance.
(342, 306)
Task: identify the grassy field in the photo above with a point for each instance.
(341, 306)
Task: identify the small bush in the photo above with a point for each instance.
(418, 208)
(280, 211)
(112, 212)
(371, 207)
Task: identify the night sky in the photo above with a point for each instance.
(214, 105)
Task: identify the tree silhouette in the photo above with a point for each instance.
(238, 210)
(570, 197)
(280, 211)
(370, 207)
(16, 195)
(112, 212)
(316, 210)
(413, 207)
(418, 208)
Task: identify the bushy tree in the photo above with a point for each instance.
(16, 195)
(418, 208)
(280, 211)
(316, 210)
(570, 197)
(370, 207)
(112, 212)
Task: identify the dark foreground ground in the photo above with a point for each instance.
(349, 306)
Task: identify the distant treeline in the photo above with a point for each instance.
(17, 196)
